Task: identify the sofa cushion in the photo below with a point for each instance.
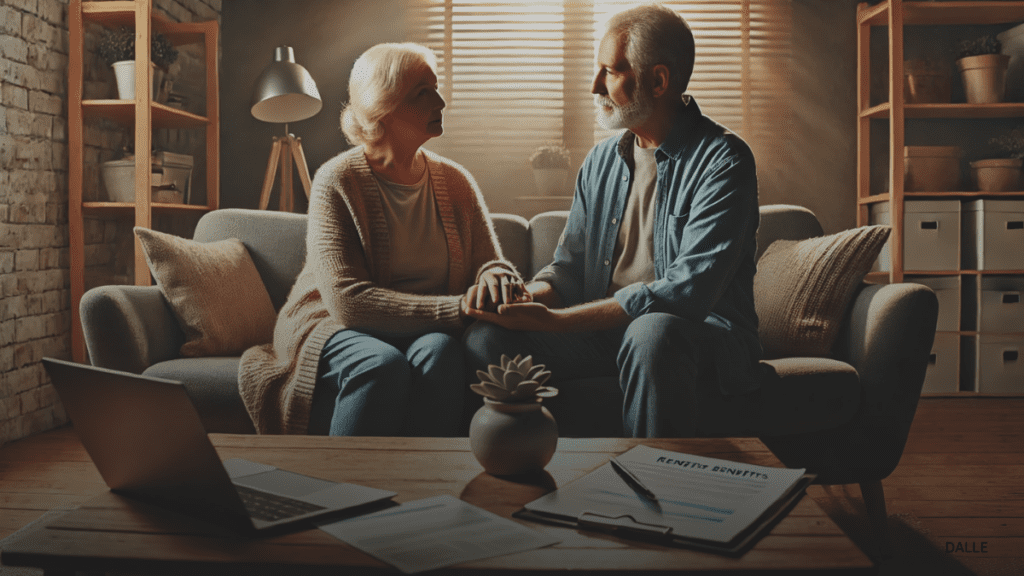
(212, 384)
(214, 290)
(803, 288)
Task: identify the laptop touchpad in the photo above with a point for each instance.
(284, 483)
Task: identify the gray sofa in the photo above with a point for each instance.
(845, 418)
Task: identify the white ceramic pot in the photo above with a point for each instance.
(550, 181)
(513, 438)
(124, 72)
(997, 174)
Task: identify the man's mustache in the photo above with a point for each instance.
(601, 100)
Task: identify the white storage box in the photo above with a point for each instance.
(1000, 364)
(931, 234)
(943, 374)
(947, 289)
(167, 169)
(994, 235)
(1000, 305)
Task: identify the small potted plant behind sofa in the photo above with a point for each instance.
(1001, 174)
(983, 70)
(117, 48)
(550, 169)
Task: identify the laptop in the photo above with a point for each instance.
(145, 437)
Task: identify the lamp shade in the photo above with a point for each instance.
(285, 92)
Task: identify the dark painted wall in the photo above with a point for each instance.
(328, 36)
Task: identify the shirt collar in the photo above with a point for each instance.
(675, 142)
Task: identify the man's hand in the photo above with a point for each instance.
(531, 316)
(497, 286)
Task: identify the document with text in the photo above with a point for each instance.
(434, 533)
(696, 498)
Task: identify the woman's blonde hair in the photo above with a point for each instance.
(376, 84)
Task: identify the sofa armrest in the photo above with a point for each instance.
(887, 339)
(129, 328)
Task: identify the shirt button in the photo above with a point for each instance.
(607, 262)
(614, 220)
(625, 178)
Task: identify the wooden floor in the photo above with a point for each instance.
(959, 487)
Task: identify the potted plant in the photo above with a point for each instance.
(1001, 174)
(926, 81)
(550, 169)
(117, 48)
(983, 70)
(512, 433)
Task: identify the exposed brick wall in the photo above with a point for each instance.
(35, 315)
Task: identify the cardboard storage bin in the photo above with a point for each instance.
(943, 373)
(994, 235)
(931, 168)
(1000, 305)
(947, 289)
(1000, 364)
(931, 234)
(168, 170)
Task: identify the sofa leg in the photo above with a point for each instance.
(874, 501)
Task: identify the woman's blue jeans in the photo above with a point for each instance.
(383, 386)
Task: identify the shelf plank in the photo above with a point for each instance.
(951, 110)
(117, 14)
(123, 112)
(874, 199)
(945, 13)
(127, 209)
(966, 194)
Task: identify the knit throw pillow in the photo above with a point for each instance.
(214, 290)
(803, 287)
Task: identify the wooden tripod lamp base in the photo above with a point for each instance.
(285, 150)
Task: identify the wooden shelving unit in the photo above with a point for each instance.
(895, 15)
(142, 116)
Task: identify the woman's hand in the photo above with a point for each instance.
(531, 316)
(497, 286)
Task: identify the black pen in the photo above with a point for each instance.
(632, 480)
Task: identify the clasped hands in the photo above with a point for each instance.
(501, 298)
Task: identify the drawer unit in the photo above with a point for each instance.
(931, 234)
(994, 235)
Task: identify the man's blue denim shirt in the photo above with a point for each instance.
(705, 225)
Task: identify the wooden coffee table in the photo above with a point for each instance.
(114, 534)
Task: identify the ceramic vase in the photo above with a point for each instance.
(984, 77)
(124, 73)
(513, 438)
(550, 181)
(997, 174)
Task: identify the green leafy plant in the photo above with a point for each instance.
(987, 44)
(117, 45)
(550, 156)
(515, 380)
(1011, 143)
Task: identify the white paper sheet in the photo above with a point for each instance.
(434, 533)
(698, 497)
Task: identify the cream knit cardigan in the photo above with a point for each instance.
(345, 282)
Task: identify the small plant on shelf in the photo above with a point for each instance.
(118, 45)
(1011, 143)
(550, 156)
(987, 44)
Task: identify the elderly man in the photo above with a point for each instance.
(652, 278)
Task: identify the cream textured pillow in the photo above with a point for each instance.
(803, 287)
(215, 291)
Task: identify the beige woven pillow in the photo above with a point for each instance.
(215, 291)
(803, 287)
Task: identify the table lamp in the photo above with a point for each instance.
(285, 92)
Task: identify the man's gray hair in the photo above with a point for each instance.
(376, 85)
(655, 34)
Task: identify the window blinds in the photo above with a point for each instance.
(517, 75)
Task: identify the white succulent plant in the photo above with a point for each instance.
(515, 380)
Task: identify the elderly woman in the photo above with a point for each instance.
(399, 245)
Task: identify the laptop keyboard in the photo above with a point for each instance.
(272, 507)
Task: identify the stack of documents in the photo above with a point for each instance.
(706, 503)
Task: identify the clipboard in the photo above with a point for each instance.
(625, 527)
(628, 526)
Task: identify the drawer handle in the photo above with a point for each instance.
(1017, 225)
(1011, 298)
(1010, 355)
(931, 225)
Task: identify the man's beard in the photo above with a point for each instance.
(633, 113)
